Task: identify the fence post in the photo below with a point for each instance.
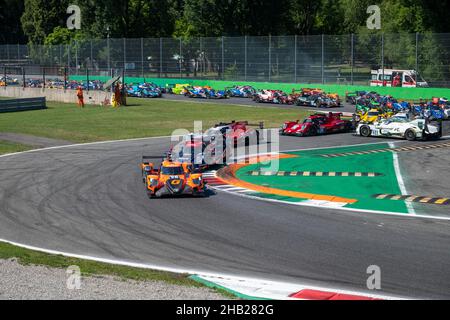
(323, 59)
(246, 57)
(65, 79)
(223, 58)
(18, 53)
(76, 56)
(68, 55)
(353, 58)
(270, 57)
(160, 57)
(24, 78)
(43, 78)
(382, 58)
(295, 59)
(202, 57)
(142, 57)
(417, 55)
(4, 69)
(124, 54)
(109, 54)
(181, 60)
(87, 78)
(7, 54)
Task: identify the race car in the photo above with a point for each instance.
(173, 179)
(237, 132)
(202, 151)
(316, 99)
(418, 129)
(196, 92)
(240, 91)
(144, 91)
(265, 96)
(317, 124)
(178, 89)
(217, 94)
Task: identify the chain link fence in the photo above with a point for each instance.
(327, 59)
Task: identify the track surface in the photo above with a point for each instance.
(90, 200)
(250, 103)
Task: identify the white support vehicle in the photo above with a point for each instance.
(406, 79)
(418, 129)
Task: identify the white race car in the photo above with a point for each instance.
(447, 112)
(419, 129)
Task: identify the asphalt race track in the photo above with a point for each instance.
(346, 107)
(90, 200)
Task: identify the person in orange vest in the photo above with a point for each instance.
(80, 97)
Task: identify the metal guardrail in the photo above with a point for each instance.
(15, 105)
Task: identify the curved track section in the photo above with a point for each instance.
(89, 200)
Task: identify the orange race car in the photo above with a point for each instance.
(172, 179)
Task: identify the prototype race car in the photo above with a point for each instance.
(240, 91)
(317, 124)
(172, 179)
(317, 99)
(418, 129)
(144, 90)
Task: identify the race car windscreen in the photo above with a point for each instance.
(169, 171)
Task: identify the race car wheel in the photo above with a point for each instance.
(410, 135)
(365, 131)
(313, 131)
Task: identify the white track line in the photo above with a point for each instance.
(400, 180)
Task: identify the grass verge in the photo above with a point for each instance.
(143, 118)
(88, 268)
(8, 147)
(92, 268)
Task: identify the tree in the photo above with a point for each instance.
(41, 17)
(10, 13)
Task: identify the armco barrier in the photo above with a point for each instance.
(16, 105)
(399, 93)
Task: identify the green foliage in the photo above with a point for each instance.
(44, 19)
(10, 13)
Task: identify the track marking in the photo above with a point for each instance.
(400, 180)
(415, 199)
(314, 174)
(385, 150)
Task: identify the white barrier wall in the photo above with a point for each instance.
(57, 95)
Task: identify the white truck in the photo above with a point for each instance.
(405, 79)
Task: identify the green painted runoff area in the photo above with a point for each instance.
(362, 189)
(399, 93)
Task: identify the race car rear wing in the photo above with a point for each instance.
(259, 125)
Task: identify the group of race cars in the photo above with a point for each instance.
(378, 116)
(307, 97)
(180, 172)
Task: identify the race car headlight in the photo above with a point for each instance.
(197, 181)
(153, 182)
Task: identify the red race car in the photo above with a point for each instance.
(317, 124)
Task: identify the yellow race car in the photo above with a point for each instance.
(372, 116)
(180, 89)
(172, 179)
